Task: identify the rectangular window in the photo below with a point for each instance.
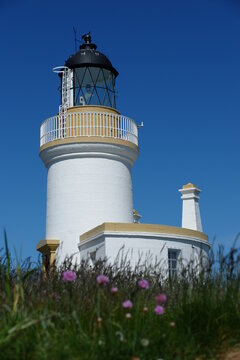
(92, 256)
(173, 257)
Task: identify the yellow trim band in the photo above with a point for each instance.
(88, 139)
(144, 228)
(85, 108)
(47, 245)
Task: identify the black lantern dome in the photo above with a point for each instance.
(94, 76)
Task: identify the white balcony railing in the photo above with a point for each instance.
(77, 124)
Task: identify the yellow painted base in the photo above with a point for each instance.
(48, 250)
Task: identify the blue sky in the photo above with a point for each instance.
(179, 73)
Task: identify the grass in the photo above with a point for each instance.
(47, 318)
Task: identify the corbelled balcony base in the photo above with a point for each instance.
(88, 139)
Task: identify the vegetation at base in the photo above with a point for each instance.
(75, 314)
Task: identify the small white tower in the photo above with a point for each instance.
(89, 150)
(191, 218)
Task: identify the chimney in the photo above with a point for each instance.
(191, 218)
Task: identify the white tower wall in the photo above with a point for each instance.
(88, 184)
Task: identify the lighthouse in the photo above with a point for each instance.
(89, 149)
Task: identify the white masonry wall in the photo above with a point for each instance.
(145, 248)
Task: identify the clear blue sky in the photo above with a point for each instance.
(179, 73)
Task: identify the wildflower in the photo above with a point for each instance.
(69, 276)
(172, 324)
(102, 280)
(99, 320)
(128, 316)
(161, 299)
(159, 310)
(144, 342)
(145, 309)
(113, 290)
(127, 304)
(143, 284)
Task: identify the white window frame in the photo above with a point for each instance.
(173, 262)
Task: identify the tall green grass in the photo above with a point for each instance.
(47, 318)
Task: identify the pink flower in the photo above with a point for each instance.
(102, 280)
(159, 310)
(161, 299)
(114, 290)
(143, 284)
(127, 304)
(69, 276)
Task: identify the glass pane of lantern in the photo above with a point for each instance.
(94, 73)
(78, 79)
(107, 76)
(88, 94)
(102, 94)
(110, 96)
(107, 102)
(92, 99)
(110, 84)
(97, 100)
(100, 80)
(107, 99)
(79, 74)
(87, 87)
(87, 80)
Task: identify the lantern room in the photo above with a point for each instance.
(93, 76)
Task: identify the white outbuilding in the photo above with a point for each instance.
(89, 149)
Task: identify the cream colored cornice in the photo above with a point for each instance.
(85, 108)
(143, 228)
(88, 139)
(47, 245)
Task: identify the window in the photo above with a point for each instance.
(92, 256)
(173, 256)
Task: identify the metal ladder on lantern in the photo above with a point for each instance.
(66, 100)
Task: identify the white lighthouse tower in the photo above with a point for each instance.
(89, 149)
